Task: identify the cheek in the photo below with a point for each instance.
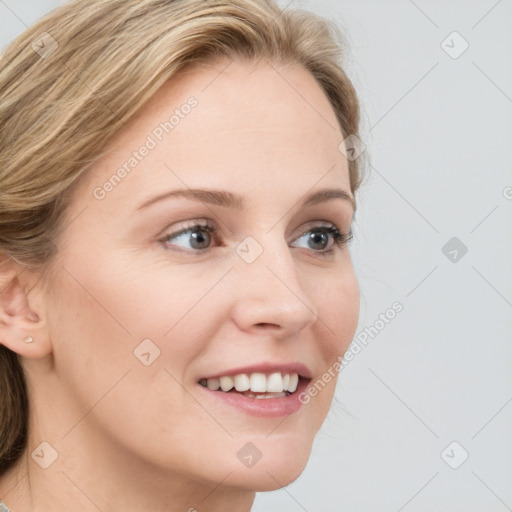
(337, 304)
(97, 327)
(103, 315)
(92, 348)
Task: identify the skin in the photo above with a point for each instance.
(131, 436)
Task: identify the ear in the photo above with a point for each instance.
(21, 313)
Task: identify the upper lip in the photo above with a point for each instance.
(301, 369)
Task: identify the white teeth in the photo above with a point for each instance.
(294, 381)
(258, 383)
(274, 385)
(226, 383)
(242, 382)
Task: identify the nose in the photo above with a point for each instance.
(270, 294)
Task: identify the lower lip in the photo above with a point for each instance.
(262, 407)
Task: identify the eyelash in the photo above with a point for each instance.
(340, 239)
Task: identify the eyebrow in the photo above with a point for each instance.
(235, 201)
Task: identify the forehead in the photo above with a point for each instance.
(253, 127)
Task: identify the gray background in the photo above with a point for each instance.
(438, 132)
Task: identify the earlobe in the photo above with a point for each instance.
(22, 329)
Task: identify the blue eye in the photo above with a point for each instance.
(198, 237)
(318, 238)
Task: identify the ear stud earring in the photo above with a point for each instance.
(28, 339)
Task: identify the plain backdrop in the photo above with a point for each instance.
(423, 416)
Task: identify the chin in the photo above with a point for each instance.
(268, 477)
(275, 463)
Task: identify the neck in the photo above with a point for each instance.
(97, 477)
(26, 488)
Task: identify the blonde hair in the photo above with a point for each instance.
(72, 80)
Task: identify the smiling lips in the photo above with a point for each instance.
(255, 385)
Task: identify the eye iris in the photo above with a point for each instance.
(319, 237)
(199, 236)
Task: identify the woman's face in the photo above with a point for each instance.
(147, 310)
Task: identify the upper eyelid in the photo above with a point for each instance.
(318, 224)
(213, 228)
(340, 239)
(206, 223)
